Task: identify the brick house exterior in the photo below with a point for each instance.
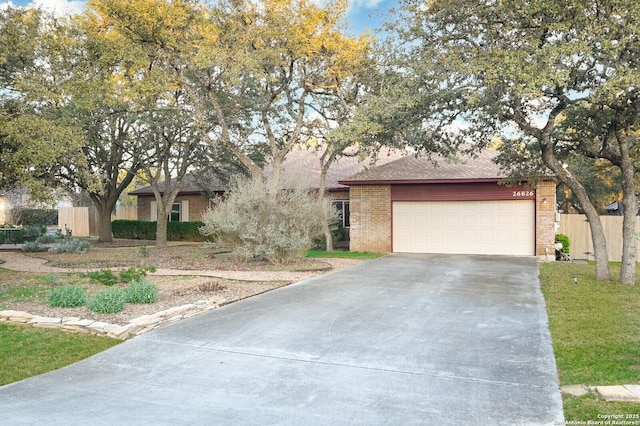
(375, 193)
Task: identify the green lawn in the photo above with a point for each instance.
(26, 351)
(343, 254)
(595, 328)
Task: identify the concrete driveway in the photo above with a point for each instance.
(401, 340)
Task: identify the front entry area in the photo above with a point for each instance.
(496, 227)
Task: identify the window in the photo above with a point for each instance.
(174, 216)
(343, 209)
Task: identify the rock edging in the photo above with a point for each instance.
(135, 327)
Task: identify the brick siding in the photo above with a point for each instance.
(370, 218)
(545, 217)
(198, 205)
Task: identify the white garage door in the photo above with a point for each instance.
(464, 227)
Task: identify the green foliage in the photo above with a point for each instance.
(48, 239)
(67, 297)
(337, 233)
(566, 243)
(71, 245)
(35, 217)
(141, 292)
(108, 301)
(104, 276)
(22, 349)
(184, 231)
(32, 247)
(594, 328)
(144, 251)
(144, 230)
(53, 279)
(134, 273)
(133, 229)
(260, 220)
(15, 236)
(343, 254)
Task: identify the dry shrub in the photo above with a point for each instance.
(258, 219)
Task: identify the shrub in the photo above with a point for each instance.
(141, 292)
(133, 229)
(15, 236)
(69, 296)
(258, 219)
(108, 301)
(566, 243)
(33, 246)
(37, 217)
(104, 276)
(70, 245)
(143, 230)
(48, 239)
(135, 273)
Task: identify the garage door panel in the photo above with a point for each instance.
(464, 227)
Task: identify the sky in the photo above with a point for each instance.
(363, 14)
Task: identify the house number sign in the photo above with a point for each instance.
(522, 194)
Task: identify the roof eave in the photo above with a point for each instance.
(417, 181)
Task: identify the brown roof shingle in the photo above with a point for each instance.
(421, 168)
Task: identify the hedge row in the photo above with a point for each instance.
(35, 217)
(143, 230)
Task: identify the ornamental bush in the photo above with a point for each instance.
(103, 276)
(69, 296)
(566, 243)
(108, 301)
(258, 219)
(70, 245)
(141, 292)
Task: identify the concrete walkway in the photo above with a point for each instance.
(619, 393)
(405, 339)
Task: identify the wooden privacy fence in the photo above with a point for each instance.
(576, 227)
(83, 221)
(75, 218)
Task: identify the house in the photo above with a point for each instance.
(301, 167)
(411, 205)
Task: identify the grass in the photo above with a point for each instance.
(343, 254)
(28, 351)
(595, 328)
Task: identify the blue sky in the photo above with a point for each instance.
(363, 14)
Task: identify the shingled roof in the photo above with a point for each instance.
(436, 169)
(304, 164)
(193, 186)
(301, 166)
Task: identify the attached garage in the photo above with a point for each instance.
(413, 206)
(464, 227)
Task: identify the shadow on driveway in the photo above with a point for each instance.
(404, 339)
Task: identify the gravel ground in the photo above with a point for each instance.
(176, 287)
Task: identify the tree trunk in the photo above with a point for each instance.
(630, 204)
(104, 222)
(597, 231)
(161, 233)
(161, 226)
(324, 168)
(629, 243)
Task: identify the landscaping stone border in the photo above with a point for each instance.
(135, 327)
